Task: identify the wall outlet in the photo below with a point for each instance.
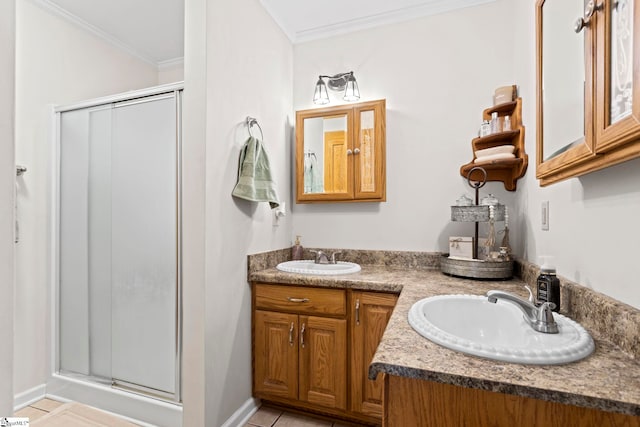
(544, 222)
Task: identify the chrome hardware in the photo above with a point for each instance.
(349, 152)
(532, 299)
(539, 318)
(589, 10)
(302, 336)
(321, 257)
(291, 334)
(20, 170)
(333, 256)
(292, 299)
(356, 151)
(357, 312)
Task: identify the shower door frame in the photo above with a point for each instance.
(175, 89)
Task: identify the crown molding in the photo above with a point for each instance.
(113, 41)
(171, 63)
(391, 17)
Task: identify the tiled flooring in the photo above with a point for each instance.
(38, 409)
(265, 417)
(271, 417)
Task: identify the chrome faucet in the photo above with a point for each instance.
(539, 318)
(323, 258)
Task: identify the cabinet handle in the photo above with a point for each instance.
(349, 152)
(356, 151)
(292, 299)
(357, 312)
(302, 336)
(291, 334)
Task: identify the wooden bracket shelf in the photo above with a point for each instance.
(508, 171)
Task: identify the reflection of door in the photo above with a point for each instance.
(335, 162)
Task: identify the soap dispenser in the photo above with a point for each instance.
(296, 250)
(548, 285)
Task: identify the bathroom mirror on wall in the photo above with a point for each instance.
(563, 77)
(340, 153)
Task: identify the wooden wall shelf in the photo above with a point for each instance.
(508, 171)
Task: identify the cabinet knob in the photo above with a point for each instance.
(349, 152)
(589, 10)
(356, 151)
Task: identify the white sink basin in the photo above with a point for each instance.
(310, 267)
(473, 325)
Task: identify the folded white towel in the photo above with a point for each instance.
(494, 157)
(495, 150)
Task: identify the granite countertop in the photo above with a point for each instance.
(609, 379)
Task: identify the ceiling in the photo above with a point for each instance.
(153, 30)
(305, 20)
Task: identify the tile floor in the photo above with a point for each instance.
(265, 417)
(38, 409)
(272, 417)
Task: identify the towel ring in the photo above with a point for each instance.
(253, 121)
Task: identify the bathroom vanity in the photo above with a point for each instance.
(413, 381)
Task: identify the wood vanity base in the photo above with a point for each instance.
(418, 403)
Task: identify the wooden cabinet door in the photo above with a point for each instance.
(323, 361)
(369, 317)
(617, 102)
(276, 354)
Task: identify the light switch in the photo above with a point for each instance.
(545, 215)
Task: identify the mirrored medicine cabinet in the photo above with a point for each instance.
(340, 153)
(588, 86)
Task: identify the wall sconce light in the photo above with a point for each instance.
(339, 82)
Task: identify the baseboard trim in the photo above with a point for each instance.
(242, 415)
(26, 398)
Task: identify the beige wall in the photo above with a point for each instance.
(7, 191)
(249, 72)
(437, 74)
(56, 63)
(170, 74)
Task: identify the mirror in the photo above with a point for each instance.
(563, 77)
(325, 158)
(340, 153)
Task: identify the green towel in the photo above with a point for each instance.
(254, 175)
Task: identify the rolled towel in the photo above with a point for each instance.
(494, 157)
(500, 149)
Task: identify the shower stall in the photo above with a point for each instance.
(117, 307)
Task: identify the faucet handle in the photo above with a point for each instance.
(532, 299)
(333, 256)
(316, 253)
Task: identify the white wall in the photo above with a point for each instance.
(437, 74)
(56, 63)
(249, 72)
(7, 191)
(593, 226)
(170, 73)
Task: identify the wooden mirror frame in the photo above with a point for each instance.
(354, 191)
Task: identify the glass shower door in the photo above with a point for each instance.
(119, 243)
(144, 243)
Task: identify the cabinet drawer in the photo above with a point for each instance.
(301, 299)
